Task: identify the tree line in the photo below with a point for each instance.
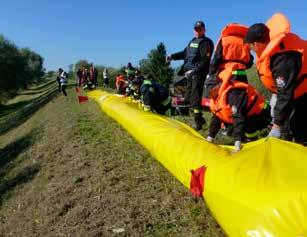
(19, 68)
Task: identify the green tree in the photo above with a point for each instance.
(34, 65)
(80, 63)
(156, 66)
(19, 68)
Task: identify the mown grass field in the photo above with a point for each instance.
(69, 170)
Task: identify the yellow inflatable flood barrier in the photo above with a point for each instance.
(260, 191)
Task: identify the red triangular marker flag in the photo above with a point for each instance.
(197, 183)
(77, 90)
(82, 99)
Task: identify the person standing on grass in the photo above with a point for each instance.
(79, 77)
(58, 79)
(196, 56)
(63, 80)
(84, 76)
(105, 78)
(130, 72)
(93, 75)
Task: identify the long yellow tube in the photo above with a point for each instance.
(260, 191)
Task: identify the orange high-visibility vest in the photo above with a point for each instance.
(221, 108)
(236, 55)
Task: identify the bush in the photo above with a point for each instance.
(19, 68)
(156, 66)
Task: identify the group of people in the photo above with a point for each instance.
(220, 75)
(282, 67)
(88, 78)
(153, 96)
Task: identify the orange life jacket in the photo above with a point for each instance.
(120, 81)
(221, 108)
(236, 54)
(282, 40)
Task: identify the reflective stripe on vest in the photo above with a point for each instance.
(147, 82)
(167, 101)
(239, 73)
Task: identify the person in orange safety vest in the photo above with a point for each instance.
(282, 67)
(232, 100)
(121, 84)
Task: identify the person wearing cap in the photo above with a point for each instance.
(154, 97)
(282, 67)
(232, 101)
(196, 56)
(130, 72)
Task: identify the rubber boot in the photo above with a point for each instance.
(199, 121)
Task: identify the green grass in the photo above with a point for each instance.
(70, 170)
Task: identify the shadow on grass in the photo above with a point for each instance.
(12, 150)
(22, 177)
(16, 114)
(8, 156)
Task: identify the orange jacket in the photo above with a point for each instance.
(120, 81)
(236, 54)
(282, 40)
(220, 107)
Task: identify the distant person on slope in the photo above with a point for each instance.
(63, 80)
(58, 79)
(196, 64)
(130, 71)
(105, 78)
(93, 76)
(84, 77)
(232, 101)
(120, 84)
(79, 77)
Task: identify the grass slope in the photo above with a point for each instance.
(70, 170)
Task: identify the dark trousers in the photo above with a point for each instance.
(259, 121)
(59, 84)
(63, 87)
(194, 91)
(298, 120)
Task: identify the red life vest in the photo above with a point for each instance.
(282, 40)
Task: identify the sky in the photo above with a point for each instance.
(115, 32)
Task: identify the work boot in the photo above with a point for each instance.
(199, 121)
